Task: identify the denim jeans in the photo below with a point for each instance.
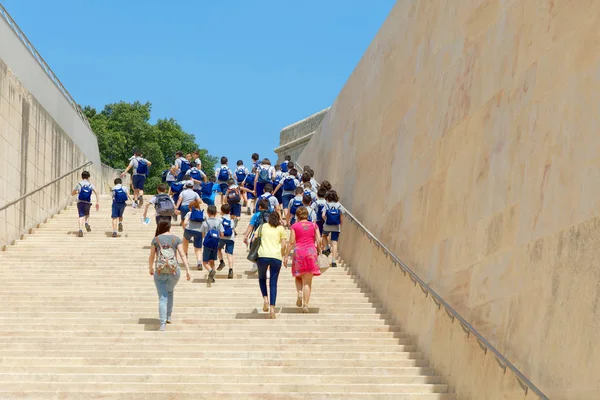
(165, 284)
(275, 266)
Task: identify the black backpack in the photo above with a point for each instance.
(233, 196)
(164, 206)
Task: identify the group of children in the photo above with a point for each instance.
(186, 187)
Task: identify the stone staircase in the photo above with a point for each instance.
(79, 321)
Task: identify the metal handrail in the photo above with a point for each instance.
(32, 50)
(485, 345)
(12, 203)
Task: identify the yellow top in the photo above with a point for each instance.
(271, 238)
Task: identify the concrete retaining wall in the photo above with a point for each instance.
(41, 138)
(293, 138)
(467, 140)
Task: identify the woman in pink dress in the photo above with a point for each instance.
(305, 241)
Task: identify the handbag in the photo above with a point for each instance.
(254, 246)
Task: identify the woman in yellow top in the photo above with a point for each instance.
(270, 254)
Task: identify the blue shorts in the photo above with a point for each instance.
(184, 210)
(223, 188)
(118, 209)
(227, 244)
(175, 197)
(138, 181)
(260, 189)
(208, 201)
(84, 209)
(320, 225)
(334, 235)
(236, 209)
(209, 254)
(286, 198)
(194, 237)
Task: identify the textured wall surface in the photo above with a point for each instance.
(467, 140)
(293, 138)
(41, 138)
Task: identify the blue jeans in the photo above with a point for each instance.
(165, 284)
(275, 266)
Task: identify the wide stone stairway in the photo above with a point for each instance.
(79, 320)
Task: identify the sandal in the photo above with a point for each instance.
(266, 306)
(299, 300)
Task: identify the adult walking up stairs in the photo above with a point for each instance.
(79, 320)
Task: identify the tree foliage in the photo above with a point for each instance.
(124, 127)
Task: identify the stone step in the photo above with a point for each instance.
(299, 376)
(146, 387)
(63, 360)
(121, 394)
(243, 325)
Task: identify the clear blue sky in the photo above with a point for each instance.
(232, 72)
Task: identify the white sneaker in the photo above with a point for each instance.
(254, 268)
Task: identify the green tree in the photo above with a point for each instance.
(124, 127)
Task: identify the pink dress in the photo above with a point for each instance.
(305, 253)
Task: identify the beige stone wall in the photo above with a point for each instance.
(34, 150)
(475, 124)
(293, 138)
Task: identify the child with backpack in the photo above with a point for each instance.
(307, 202)
(273, 202)
(287, 186)
(308, 191)
(332, 214)
(197, 160)
(226, 242)
(84, 191)
(284, 166)
(223, 174)
(250, 192)
(234, 197)
(197, 177)
(120, 195)
(164, 206)
(293, 206)
(255, 161)
(318, 207)
(192, 231)
(265, 173)
(276, 181)
(241, 172)
(182, 164)
(163, 266)
(140, 173)
(175, 189)
(207, 191)
(260, 217)
(186, 197)
(213, 230)
(313, 181)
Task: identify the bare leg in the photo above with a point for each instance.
(298, 282)
(114, 224)
(186, 246)
(334, 250)
(307, 288)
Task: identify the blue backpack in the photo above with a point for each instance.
(263, 175)
(295, 205)
(120, 195)
(250, 181)
(196, 215)
(288, 184)
(223, 174)
(277, 181)
(284, 166)
(142, 167)
(227, 227)
(332, 216)
(320, 212)
(207, 188)
(240, 174)
(211, 240)
(196, 174)
(85, 193)
(266, 198)
(176, 187)
(185, 166)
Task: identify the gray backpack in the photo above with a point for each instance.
(164, 206)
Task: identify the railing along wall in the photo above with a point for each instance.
(439, 302)
(29, 210)
(36, 55)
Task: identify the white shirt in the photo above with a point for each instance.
(198, 163)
